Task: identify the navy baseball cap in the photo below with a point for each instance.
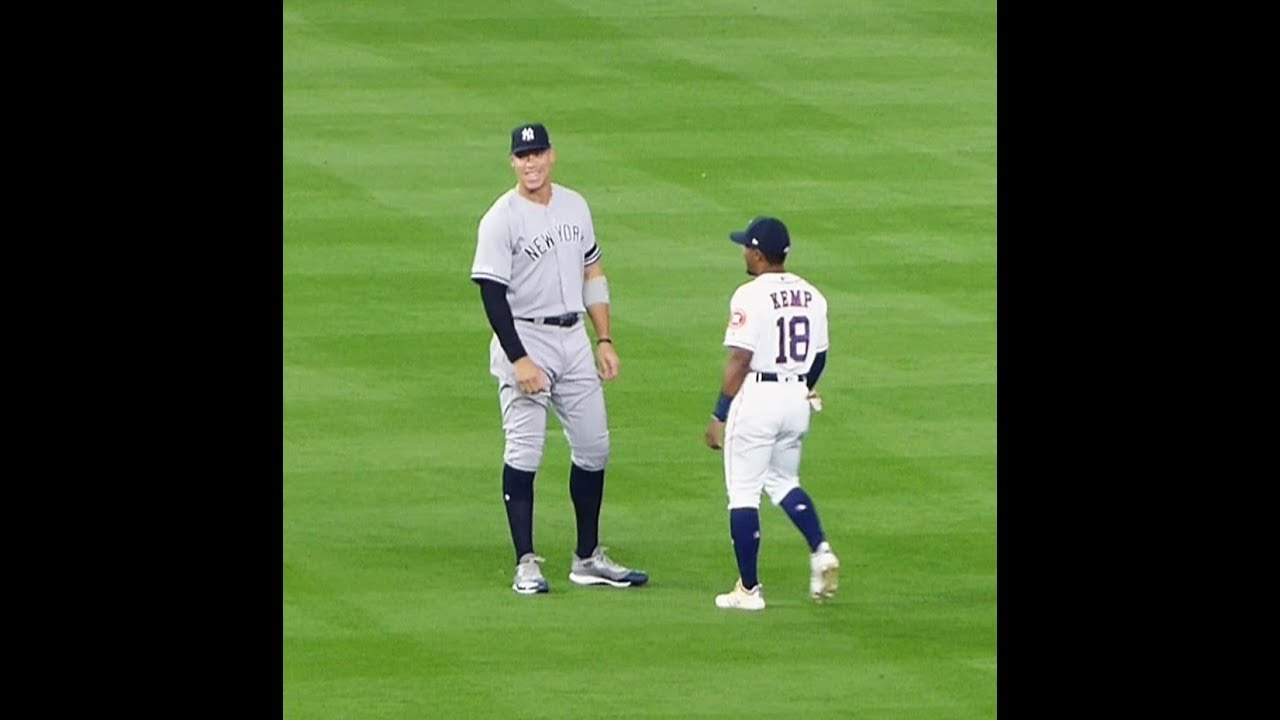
(766, 234)
(526, 138)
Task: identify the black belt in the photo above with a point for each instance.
(567, 320)
(773, 377)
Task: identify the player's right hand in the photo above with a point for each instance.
(531, 378)
(715, 434)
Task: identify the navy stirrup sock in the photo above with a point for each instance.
(517, 492)
(799, 507)
(744, 526)
(586, 488)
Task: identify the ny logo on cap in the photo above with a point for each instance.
(526, 134)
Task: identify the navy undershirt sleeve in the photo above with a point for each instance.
(819, 362)
(496, 307)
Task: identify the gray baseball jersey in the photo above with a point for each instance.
(537, 251)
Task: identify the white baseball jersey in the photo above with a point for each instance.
(538, 251)
(782, 319)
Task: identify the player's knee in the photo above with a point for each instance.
(524, 451)
(593, 454)
(777, 491)
(744, 499)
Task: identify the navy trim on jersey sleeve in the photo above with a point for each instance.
(480, 277)
(819, 363)
(498, 310)
(592, 256)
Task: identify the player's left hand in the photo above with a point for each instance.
(715, 434)
(607, 360)
(815, 401)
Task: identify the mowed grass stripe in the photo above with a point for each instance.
(636, 117)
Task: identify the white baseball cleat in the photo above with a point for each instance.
(741, 598)
(824, 571)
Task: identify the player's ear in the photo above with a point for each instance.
(552, 158)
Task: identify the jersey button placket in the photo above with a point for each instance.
(551, 227)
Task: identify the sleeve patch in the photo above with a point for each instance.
(737, 318)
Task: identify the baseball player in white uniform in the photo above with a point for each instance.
(777, 340)
(538, 268)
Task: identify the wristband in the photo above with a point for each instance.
(600, 340)
(722, 407)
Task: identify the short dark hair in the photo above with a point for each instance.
(774, 259)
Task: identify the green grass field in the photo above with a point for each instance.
(868, 126)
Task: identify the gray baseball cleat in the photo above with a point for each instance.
(529, 579)
(600, 570)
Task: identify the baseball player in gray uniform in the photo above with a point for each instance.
(538, 268)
